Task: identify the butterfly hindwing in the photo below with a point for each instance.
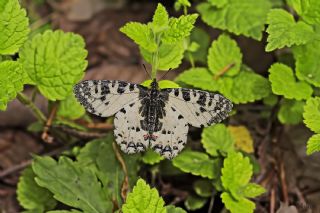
(104, 97)
(200, 108)
(172, 137)
(127, 129)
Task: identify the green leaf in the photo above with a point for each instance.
(31, 196)
(270, 100)
(173, 209)
(218, 3)
(253, 190)
(224, 52)
(169, 55)
(245, 87)
(99, 155)
(151, 157)
(284, 83)
(202, 38)
(313, 144)
(12, 78)
(179, 28)
(307, 63)
(70, 108)
(236, 173)
(71, 184)
(284, 31)
(311, 114)
(64, 211)
(242, 205)
(217, 140)
(54, 61)
(203, 187)
(194, 202)
(291, 112)
(160, 20)
(241, 17)
(309, 10)
(162, 84)
(141, 34)
(197, 163)
(199, 77)
(143, 199)
(13, 26)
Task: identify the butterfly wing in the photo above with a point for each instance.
(104, 97)
(199, 108)
(127, 129)
(172, 136)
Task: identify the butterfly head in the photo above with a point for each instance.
(154, 84)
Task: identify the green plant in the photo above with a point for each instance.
(99, 178)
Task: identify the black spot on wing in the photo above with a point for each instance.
(123, 110)
(202, 98)
(186, 95)
(176, 92)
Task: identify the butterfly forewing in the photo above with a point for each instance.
(199, 108)
(104, 97)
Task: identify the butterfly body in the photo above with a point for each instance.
(151, 117)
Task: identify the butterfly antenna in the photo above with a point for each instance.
(165, 74)
(145, 69)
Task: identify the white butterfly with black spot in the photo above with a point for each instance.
(156, 118)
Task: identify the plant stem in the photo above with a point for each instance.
(27, 102)
(155, 57)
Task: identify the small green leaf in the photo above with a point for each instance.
(291, 112)
(143, 199)
(160, 19)
(307, 63)
(217, 140)
(199, 77)
(236, 173)
(284, 31)
(31, 196)
(70, 108)
(202, 38)
(311, 114)
(253, 190)
(151, 157)
(313, 144)
(197, 163)
(224, 52)
(54, 61)
(141, 34)
(14, 27)
(241, 17)
(194, 202)
(173, 209)
(203, 187)
(284, 83)
(12, 78)
(179, 28)
(169, 55)
(270, 100)
(71, 184)
(162, 84)
(242, 205)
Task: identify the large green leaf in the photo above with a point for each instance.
(224, 52)
(311, 114)
(160, 20)
(54, 61)
(12, 78)
(71, 184)
(217, 140)
(143, 199)
(31, 196)
(284, 83)
(284, 31)
(13, 26)
(307, 63)
(241, 17)
(309, 10)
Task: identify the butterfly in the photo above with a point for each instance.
(151, 117)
